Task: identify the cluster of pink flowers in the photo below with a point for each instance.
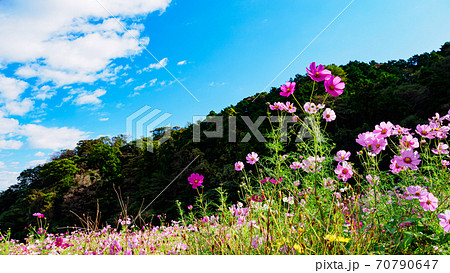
(251, 158)
(38, 215)
(344, 170)
(288, 107)
(427, 200)
(333, 84)
(312, 108)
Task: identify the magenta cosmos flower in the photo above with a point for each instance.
(416, 192)
(342, 156)
(295, 165)
(445, 220)
(318, 73)
(252, 158)
(429, 202)
(344, 171)
(408, 142)
(384, 129)
(195, 180)
(38, 215)
(277, 106)
(276, 181)
(329, 115)
(425, 131)
(441, 149)
(289, 107)
(238, 166)
(287, 89)
(334, 86)
(409, 159)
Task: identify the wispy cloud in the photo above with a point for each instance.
(182, 62)
(86, 97)
(159, 65)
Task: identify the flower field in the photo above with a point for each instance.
(309, 201)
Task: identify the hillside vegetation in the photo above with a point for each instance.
(105, 179)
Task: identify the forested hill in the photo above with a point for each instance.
(77, 182)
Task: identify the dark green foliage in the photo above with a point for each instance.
(75, 181)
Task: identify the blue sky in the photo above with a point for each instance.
(70, 71)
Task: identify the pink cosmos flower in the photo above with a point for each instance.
(409, 159)
(395, 168)
(287, 89)
(276, 181)
(310, 108)
(399, 130)
(445, 162)
(319, 73)
(289, 107)
(445, 220)
(408, 142)
(429, 202)
(425, 131)
(365, 138)
(295, 165)
(441, 149)
(190, 207)
(328, 183)
(334, 86)
(376, 145)
(342, 156)
(38, 215)
(344, 171)
(372, 180)
(252, 158)
(329, 115)
(442, 131)
(277, 106)
(264, 180)
(195, 180)
(238, 166)
(416, 192)
(384, 129)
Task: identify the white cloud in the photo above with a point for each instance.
(40, 137)
(2, 165)
(216, 84)
(39, 154)
(104, 119)
(10, 144)
(8, 125)
(8, 179)
(162, 63)
(11, 88)
(45, 92)
(66, 41)
(19, 108)
(86, 97)
(182, 62)
(36, 162)
(140, 87)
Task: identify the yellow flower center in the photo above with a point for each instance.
(344, 171)
(331, 87)
(407, 160)
(428, 202)
(317, 74)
